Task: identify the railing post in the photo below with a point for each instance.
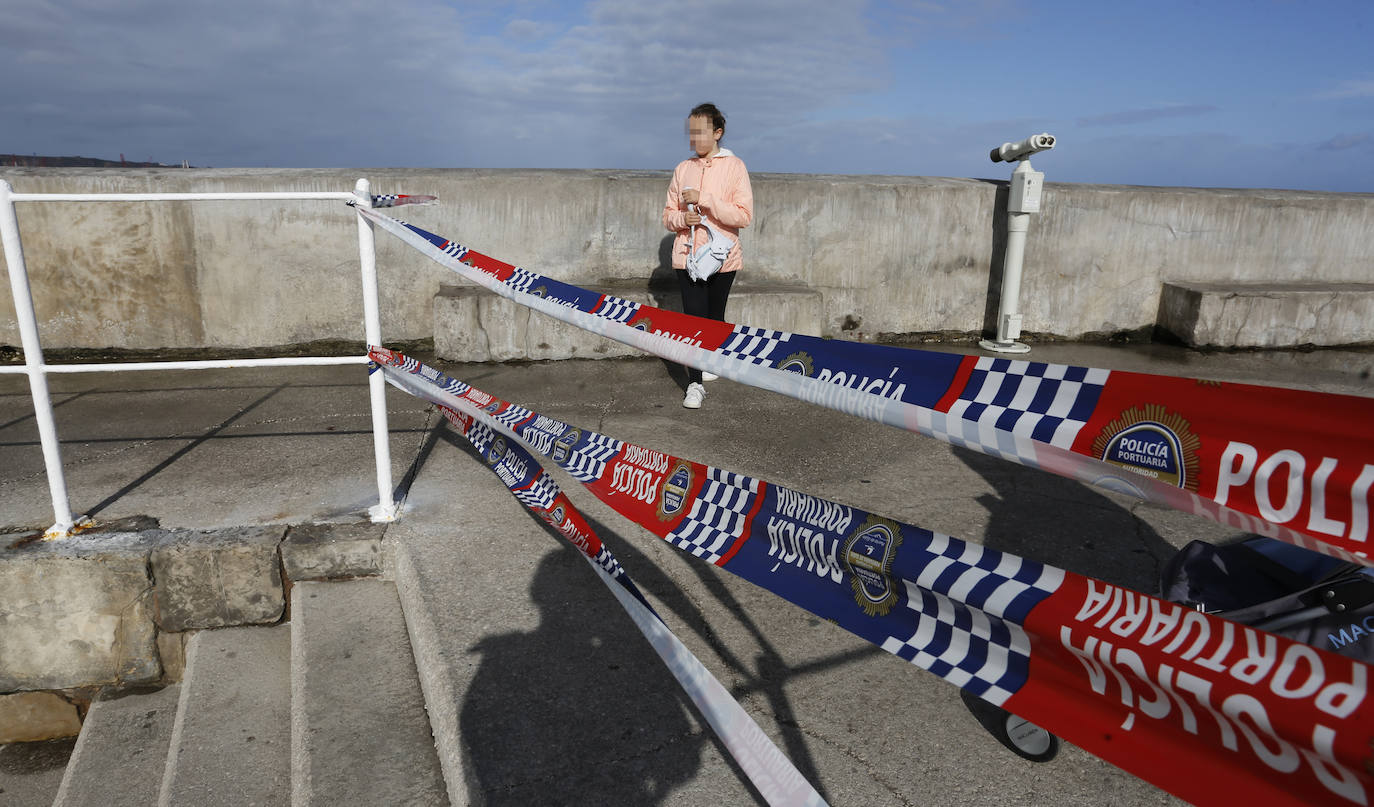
(385, 509)
(33, 363)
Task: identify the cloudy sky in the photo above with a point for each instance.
(1203, 93)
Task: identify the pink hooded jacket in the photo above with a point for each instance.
(727, 202)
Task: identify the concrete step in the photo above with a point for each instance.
(1236, 314)
(121, 754)
(359, 731)
(31, 772)
(474, 324)
(231, 741)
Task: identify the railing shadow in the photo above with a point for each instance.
(181, 452)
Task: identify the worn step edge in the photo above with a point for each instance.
(231, 739)
(441, 698)
(121, 753)
(359, 731)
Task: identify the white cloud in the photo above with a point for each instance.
(1351, 88)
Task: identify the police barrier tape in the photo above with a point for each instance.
(1289, 464)
(1207, 709)
(400, 199)
(772, 773)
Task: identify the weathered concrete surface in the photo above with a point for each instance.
(200, 449)
(31, 773)
(1268, 314)
(231, 740)
(359, 731)
(896, 254)
(474, 324)
(215, 578)
(332, 551)
(121, 756)
(31, 716)
(77, 612)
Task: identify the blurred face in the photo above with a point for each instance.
(701, 137)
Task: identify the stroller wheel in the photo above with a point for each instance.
(1027, 739)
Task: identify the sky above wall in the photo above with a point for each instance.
(1212, 93)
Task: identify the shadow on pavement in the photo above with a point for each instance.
(577, 698)
(1065, 523)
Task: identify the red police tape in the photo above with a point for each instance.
(1211, 710)
(1290, 464)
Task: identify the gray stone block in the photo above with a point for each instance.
(474, 324)
(218, 578)
(332, 551)
(77, 612)
(1236, 314)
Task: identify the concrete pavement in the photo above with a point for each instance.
(548, 688)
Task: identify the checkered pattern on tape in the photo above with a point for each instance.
(616, 309)
(540, 494)
(513, 415)
(480, 435)
(455, 250)
(408, 364)
(588, 462)
(1045, 402)
(385, 199)
(717, 515)
(970, 603)
(522, 279)
(754, 345)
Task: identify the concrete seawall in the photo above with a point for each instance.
(889, 255)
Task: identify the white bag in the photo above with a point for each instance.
(707, 259)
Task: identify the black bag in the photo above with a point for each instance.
(1284, 589)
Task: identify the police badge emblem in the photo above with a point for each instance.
(799, 362)
(869, 553)
(675, 488)
(643, 324)
(497, 450)
(1152, 442)
(564, 445)
(539, 291)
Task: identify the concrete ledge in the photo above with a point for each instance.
(474, 324)
(1267, 314)
(217, 578)
(77, 612)
(332, 551)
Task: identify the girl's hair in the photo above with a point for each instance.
(709, 111)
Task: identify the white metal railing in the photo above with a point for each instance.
(38, 371)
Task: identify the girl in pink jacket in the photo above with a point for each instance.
(711, 187)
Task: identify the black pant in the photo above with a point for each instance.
(704, 300)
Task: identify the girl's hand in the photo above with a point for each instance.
(691, 195)
(693, 218)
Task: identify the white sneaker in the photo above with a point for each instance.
(705, 376)
(695, 392)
